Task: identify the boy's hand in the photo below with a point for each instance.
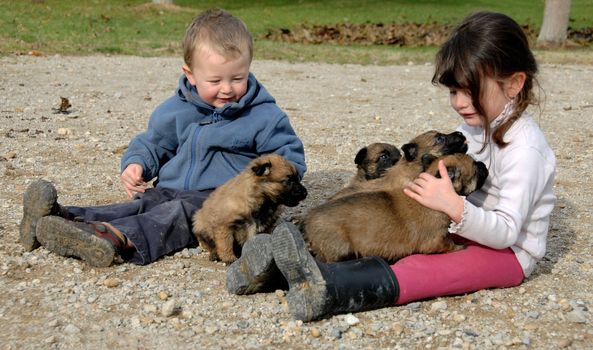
(131, 179)
(437, 193)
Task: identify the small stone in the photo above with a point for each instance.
(150, 308)
(576, 316)
(563, 343)
(335, 333)
(351, 320)
(170, 308)
(163, 295)
(71, 329)
(315, 332)
(10, 155)
(397, 329)
(438, 306)
(533, 314)
(459, 317)
(565, 305)
(64, 131)
(50, 340)
(111, 282)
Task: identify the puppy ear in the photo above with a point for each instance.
(410, 151)
(426, 160)
(262, 168)
(396, 154)
(360, 156)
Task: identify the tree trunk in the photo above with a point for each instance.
(555, 23)
(170, 2)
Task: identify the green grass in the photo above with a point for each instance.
(134, 27)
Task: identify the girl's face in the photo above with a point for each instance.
(493, 100)
(218, 79)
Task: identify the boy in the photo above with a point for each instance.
(219, 119)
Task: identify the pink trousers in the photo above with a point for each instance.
(476, 267)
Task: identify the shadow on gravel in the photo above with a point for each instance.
(561, 237)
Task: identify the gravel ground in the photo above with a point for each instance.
(47, 301)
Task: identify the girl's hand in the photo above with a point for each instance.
(437, 193)
(131, 179)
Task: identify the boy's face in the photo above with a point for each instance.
(217, 79)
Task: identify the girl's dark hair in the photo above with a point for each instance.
(487, 44)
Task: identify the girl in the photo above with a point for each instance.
(490, 72)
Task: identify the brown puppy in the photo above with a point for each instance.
(372, 161)
(431, 143)
(246, 205)
(383, 221)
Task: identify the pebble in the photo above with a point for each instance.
(315, 332)
(111, 282)
(170, 308)
(71, 329)
(438, 306)
(351, 320)
(50, 340)
(576, 316)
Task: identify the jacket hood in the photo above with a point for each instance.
(255, 94)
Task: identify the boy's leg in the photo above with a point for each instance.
(476, 267)
(141, 203)
(163, 229)
(156, 223)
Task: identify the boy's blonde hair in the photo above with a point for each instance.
(220, 31)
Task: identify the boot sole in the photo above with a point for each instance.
(55, 234)
(307, 294)
(38, 201)
(254, 268)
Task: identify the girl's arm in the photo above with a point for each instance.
(519, 195)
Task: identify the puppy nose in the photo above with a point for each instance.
(304, 192)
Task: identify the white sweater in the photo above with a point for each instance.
(513, 207)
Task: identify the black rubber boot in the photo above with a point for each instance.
(255, 271)
(39, 200)
(318, 290)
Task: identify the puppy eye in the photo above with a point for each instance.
(383, 156)
(440, 139)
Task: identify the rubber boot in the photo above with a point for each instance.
(255, 271)
(39, 200)
(318, 290)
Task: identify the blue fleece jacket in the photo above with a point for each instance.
(190, 145)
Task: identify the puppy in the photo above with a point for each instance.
(372, 161)
(435, 144)
(431, 143)
(383, 221)
(246, 205)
